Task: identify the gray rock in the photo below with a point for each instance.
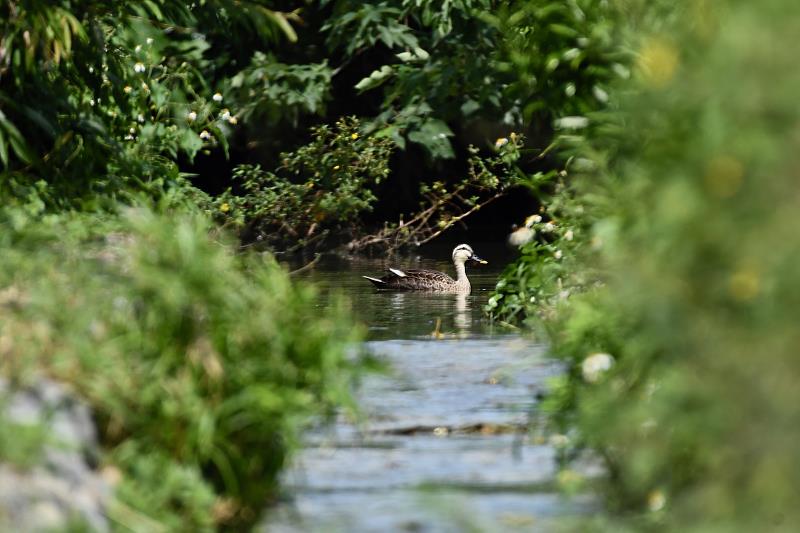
(63, 488)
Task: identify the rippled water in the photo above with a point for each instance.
(445, 442)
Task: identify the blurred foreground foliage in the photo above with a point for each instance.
(676, 307)
(200, 365)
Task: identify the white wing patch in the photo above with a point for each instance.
(398, 273)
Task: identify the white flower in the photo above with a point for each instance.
(217, 97)
(533, 219)
(127, 89)
(139, 67)
(499, 143)
(191, 116)
(656, 500)
(205, 135)
(132, 131)
(140, 118)
(138, 48)
(558, 254)
(149, 40)
(91, 101)
(521, 236)
(569, 235)
(233, 120)
(595, 365)
(571, 123)
(225, 114)
(91, 70)
(129, 137)
(549, 226)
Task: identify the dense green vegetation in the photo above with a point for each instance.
(113, 102)
(201, 365)
(674, 299)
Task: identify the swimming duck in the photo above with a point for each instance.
(431, 280)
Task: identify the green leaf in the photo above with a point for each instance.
(433, 135)
(220, 136)
(283, 23)
(3, 149)
(190, 142)
(375, 79)
(469, 107)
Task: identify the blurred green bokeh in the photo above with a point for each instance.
(201, 366)
(693, 193)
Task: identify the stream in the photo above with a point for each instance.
(443, 445)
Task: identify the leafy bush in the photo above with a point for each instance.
(99, 99)
(681, 362)
(324, 185)
(550, 267)
(200, 365)
(447, 204)
(519, 65)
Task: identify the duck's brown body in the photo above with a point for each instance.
(430, 280)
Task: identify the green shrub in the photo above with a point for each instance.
(696, 237)
(101, 99)
(200, 365)
(323, 186)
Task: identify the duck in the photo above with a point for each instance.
(431, 280)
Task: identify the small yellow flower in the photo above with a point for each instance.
(354, 136)
(744, 284)
(499, 143)
(656, 500)
(658, 62)
(225, 207)
(724, 176)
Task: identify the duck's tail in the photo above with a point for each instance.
(375, 281)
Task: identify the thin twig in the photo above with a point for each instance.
(307, 266)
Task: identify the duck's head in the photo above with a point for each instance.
(463, 253)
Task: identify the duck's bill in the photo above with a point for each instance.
(479, 260)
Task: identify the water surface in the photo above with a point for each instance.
(405, 315)
(445, 442)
